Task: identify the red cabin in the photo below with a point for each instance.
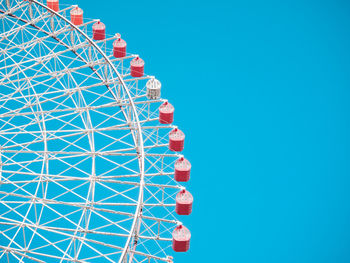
(137, 67)
(181, 239)
(182, 170)
(184, 201)
(176, 140)
(166, 113)
(119, 48)
(76, 16)
(99, 31)
(53, 4)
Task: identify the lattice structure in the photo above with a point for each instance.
(86, 173)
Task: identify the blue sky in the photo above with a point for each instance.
(261, 89)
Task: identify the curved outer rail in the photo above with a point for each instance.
(139, 138)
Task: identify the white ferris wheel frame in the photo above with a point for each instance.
(130, 113)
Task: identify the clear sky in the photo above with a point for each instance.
(261, 89)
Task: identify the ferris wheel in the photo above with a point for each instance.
(90, 161)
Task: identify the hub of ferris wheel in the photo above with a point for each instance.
(72, 97)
